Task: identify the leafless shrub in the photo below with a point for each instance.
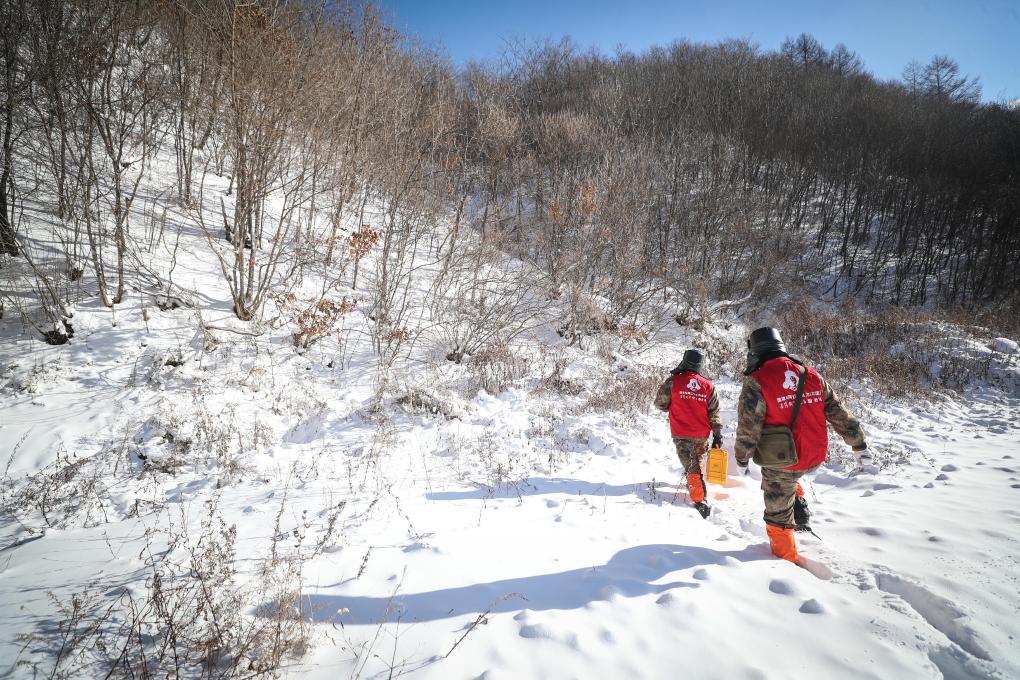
(901, 352)
(629, 393)
(190, 616)
(727, 355)
(73, 490)
(486, 462)
(554, 362)
(420, 400)
(481, 299)
(497, 367)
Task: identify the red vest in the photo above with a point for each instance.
(778, 379)
(688, 406)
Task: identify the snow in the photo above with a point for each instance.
(1005, 346)
(593, 566)
(542, 531)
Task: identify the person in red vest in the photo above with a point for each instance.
(693, 409)
(767, 398)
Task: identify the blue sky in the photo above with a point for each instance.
(982, 35)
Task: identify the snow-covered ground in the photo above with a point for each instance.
(542, 532)
(579, 558)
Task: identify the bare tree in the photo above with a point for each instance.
(14, 18)
(941, 78)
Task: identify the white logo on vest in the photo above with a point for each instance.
(694, 385)
(791, 381)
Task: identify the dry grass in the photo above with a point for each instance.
(188, 615)
(496, 368)
(901, 353)
(630, 393)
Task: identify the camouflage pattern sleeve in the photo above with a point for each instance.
(845, 425)
(750, 417)
(713, 414)
(665, 395)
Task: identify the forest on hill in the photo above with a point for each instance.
(724, 171)
(324, 356)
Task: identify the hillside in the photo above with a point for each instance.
(175, 471)
(322, 357)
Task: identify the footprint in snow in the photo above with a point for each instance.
(535, 631)
(700, 574)
(540, 631)
(781, 587)
(938, 612)
(949, 467)
(815, 568)
(872, 531)
(416, 546)
(812, 606)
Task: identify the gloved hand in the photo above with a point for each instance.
(716, 442)
(865, 461)
(743, 466)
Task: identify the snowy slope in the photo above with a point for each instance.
(593, 572)
(580, 566)
(542, 532)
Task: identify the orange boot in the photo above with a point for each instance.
(696, 487)
(783, 544)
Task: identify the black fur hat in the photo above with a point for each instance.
(694, 360)
(765, 340)
(763, 344)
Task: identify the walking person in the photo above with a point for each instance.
(782, 396)
(689, 398)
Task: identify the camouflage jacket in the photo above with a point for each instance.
(664, 397)
(751, 409)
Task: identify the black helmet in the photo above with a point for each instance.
(765, 340)
(694, 360)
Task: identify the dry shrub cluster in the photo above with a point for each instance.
(320, 319)
(496, 368)
(73, 490)
(192, 615)
(727, 354)
(485, 462)
(902, 353)
(630, 393)
(421, 400)
(554, 361)
(203, 438)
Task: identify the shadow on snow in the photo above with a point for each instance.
(629, 573)
(539, 486)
